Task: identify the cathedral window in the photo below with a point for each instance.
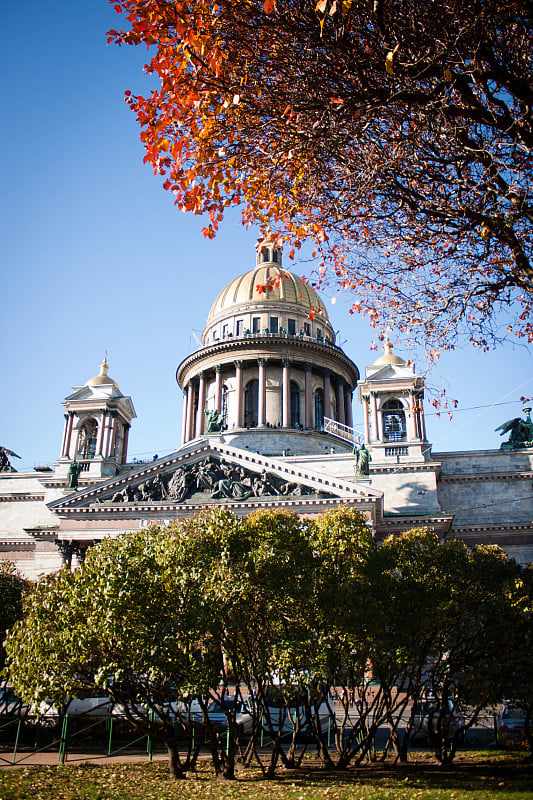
(87, 439)
(393, 417)
(295, 404)
(251, 404)
(291, 327)
(319, 408)
(273, 324)
(239, 328)
(307, 328)
(256, 324)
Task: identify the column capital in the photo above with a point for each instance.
(218, 368)
(262, 362)
(286, 361)
(239, 363)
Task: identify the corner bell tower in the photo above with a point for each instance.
(97, 422)
(392, 396)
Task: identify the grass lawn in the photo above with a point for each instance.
(473, 776)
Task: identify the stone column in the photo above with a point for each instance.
(366, 412)
(69, 421)
(190, 412)
(261, 400)
(340, 401)
(348, 409)
(66, 551)
(200, 423)
(286, 393)
(421, 417)
(107, 436)
(375, 417)
(125, 444)
(411, 416)
(327, 394)
(184, 419)
(101, 433)
(239, 392)
(65, 431)
(308, 414)
(218, 388)
(113, 434)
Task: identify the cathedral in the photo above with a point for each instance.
(267, 424)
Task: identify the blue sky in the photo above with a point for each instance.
(95, 257)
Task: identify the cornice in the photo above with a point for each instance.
(252, 344)
(494, 528)
(21, 497)
(486, 477)
(427, 466)
(157, 509)
(399, 523)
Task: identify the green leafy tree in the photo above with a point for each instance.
(133, 624)
(12, 589)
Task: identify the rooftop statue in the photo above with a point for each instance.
(73, 474)
(521, 432)
(362, 461)
(5, 463)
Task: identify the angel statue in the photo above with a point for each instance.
(5, 463)
(521, 432)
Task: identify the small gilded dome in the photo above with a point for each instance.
(103, 378)
(388, 357)
(286, 288)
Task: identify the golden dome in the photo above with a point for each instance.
(103, 378)
(388, 357)
(288, 288)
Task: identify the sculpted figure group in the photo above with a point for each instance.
(212, 478)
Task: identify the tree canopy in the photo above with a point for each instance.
(288, 615)
(394, 135)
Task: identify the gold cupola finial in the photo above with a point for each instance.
(104, 366)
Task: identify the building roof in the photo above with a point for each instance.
(286, 287)
(102, 378)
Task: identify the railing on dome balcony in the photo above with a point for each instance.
(281, 334)
(344, 432)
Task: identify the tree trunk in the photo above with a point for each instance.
(175, 767)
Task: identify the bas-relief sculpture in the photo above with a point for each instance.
(521, 432)
(215, 479)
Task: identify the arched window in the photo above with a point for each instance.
(393, 417)
(251, 398)
(319, 408)
(295, 404)
(87, 439)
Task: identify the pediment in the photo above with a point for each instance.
(207, 472)
(391, 372)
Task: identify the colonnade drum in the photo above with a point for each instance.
(268, 358)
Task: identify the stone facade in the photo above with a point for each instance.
(267, 423)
